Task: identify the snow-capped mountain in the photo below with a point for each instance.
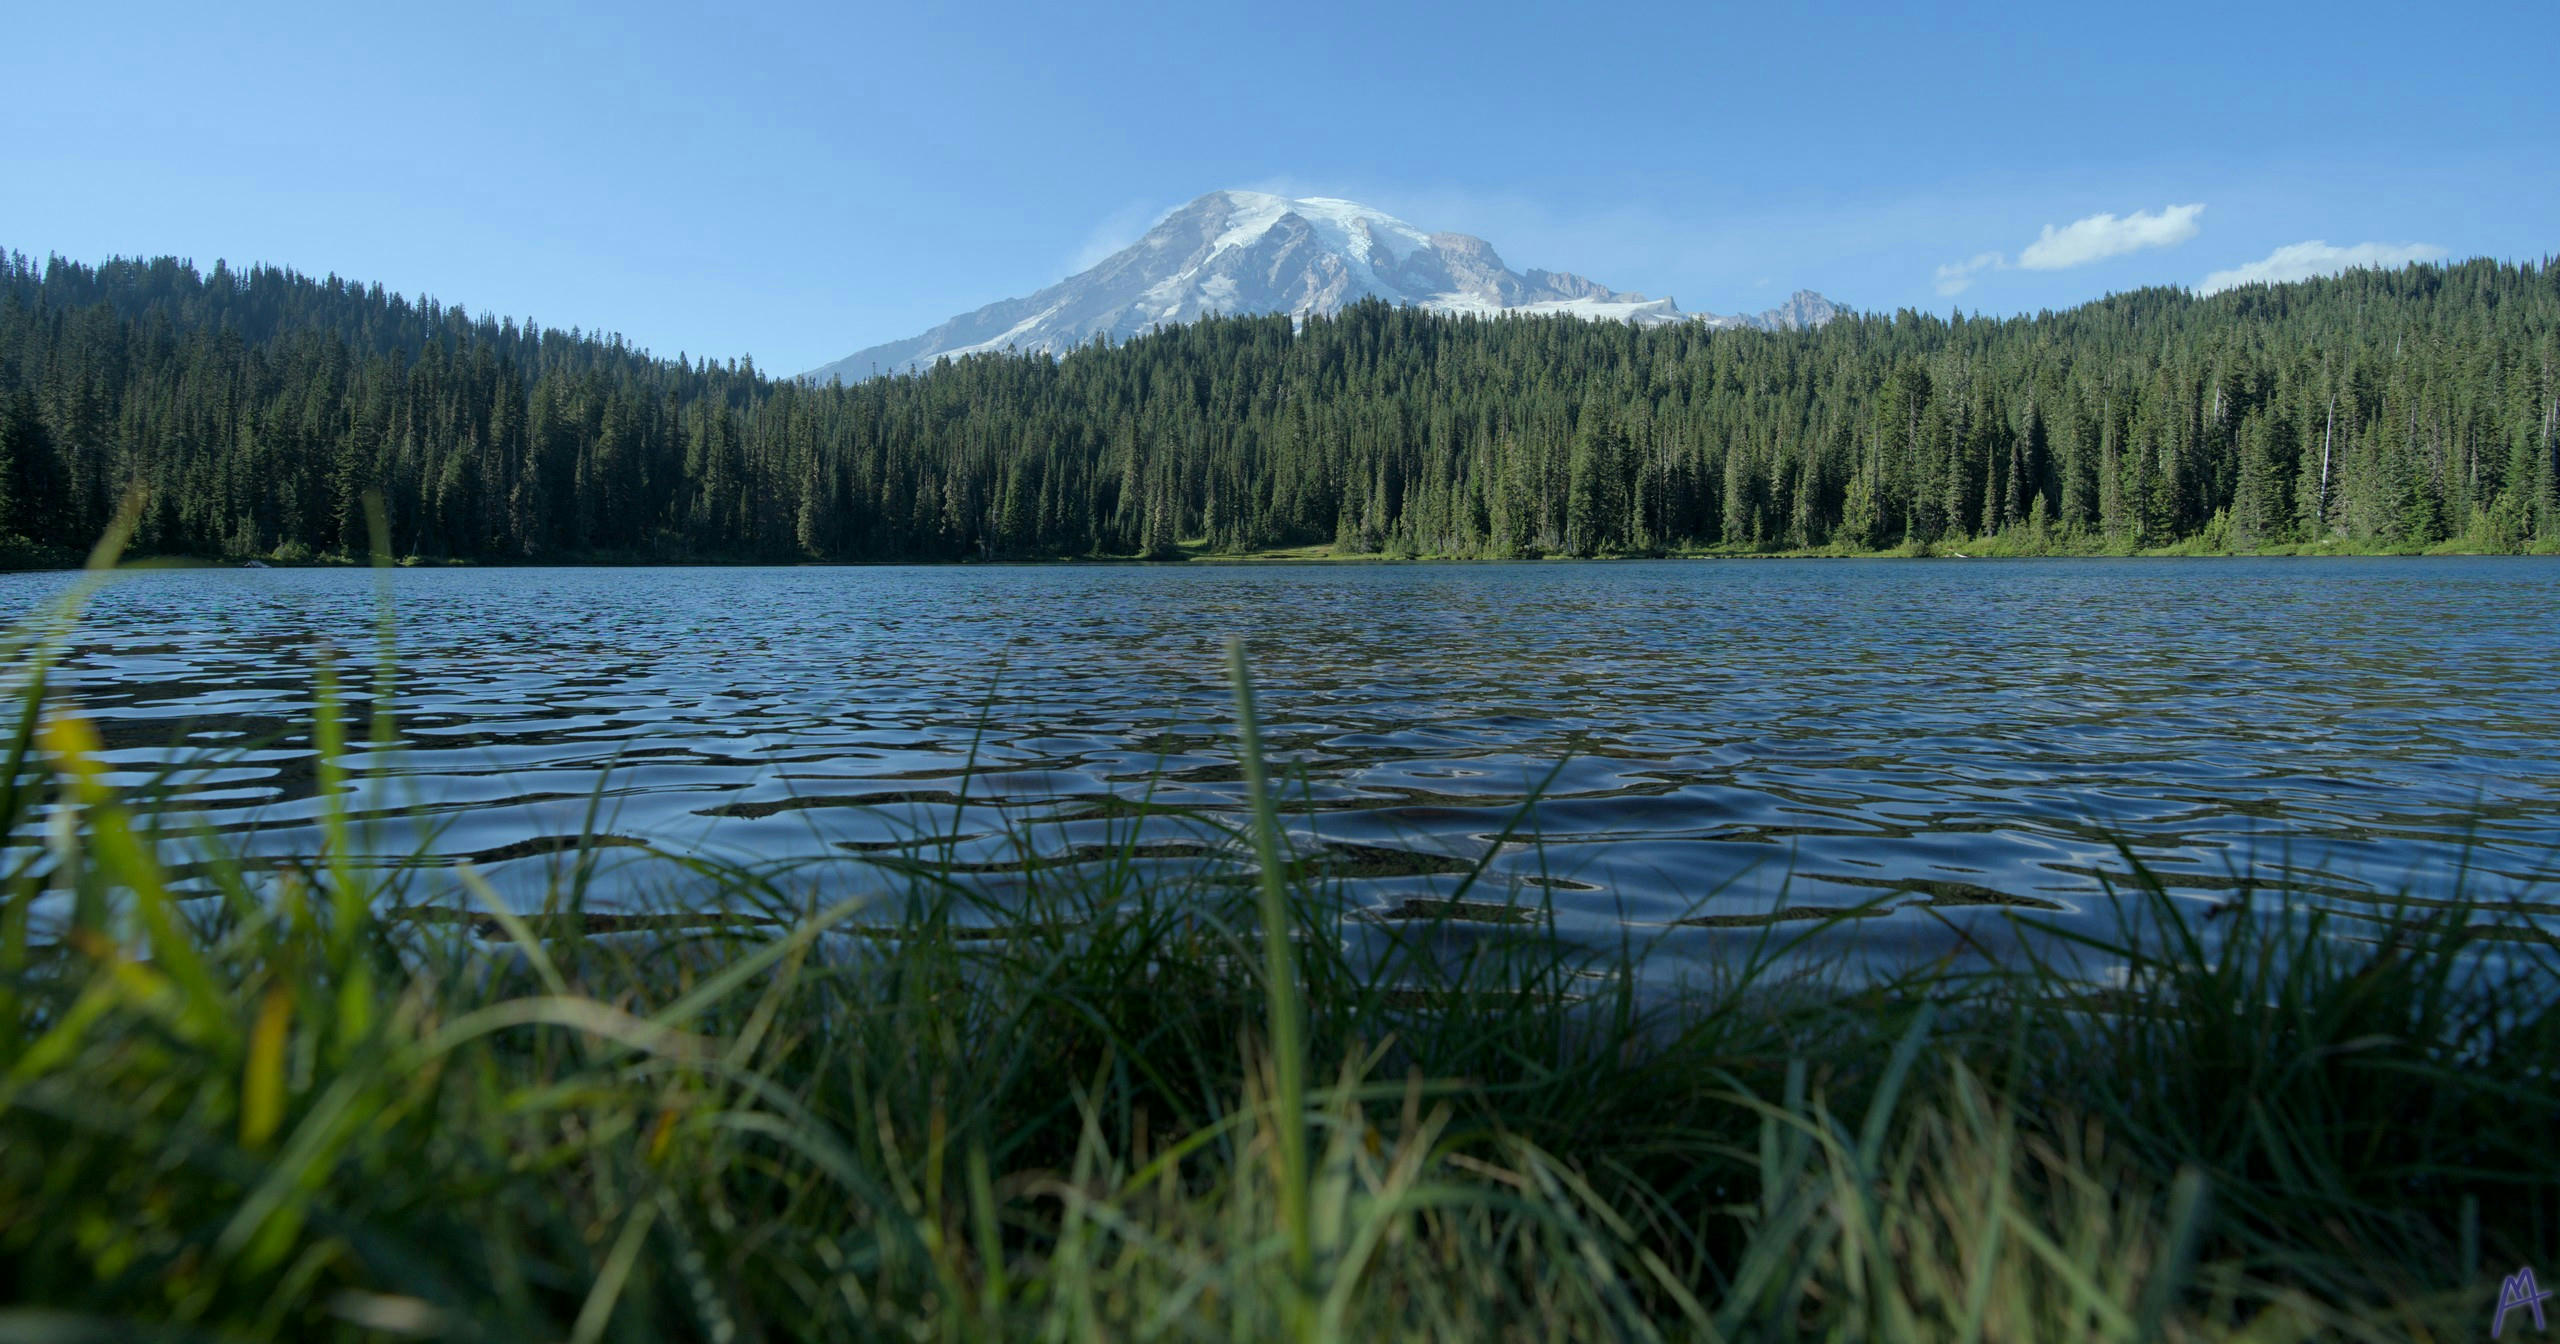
(1248, 252)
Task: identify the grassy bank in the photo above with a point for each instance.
(243, 1101)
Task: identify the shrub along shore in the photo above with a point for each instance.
(243, 1100)
(2016, 545)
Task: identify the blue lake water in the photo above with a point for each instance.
(1950, 739)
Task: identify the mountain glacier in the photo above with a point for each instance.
(1250, 252)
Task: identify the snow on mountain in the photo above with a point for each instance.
(1250, 252)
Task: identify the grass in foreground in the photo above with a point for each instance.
(1161, 1110)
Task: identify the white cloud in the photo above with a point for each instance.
(1957, 277)
(2301, 261)
(2101, 236)
(2078, 243)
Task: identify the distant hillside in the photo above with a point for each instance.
(252, 411)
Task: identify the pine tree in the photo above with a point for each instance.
(257, 408)
(1582, 500)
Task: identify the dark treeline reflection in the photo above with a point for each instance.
(254, 409)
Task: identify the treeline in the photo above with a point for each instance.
(253, 410)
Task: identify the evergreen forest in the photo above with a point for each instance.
(249, 412)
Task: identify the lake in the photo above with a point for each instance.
(1943, 740)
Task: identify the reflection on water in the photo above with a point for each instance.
(1722, 738)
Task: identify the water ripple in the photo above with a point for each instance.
(1715, 739)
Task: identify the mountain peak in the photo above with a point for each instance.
(1254, 252)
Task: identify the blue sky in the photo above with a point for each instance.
(798, 181)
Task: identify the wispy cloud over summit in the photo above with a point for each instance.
(2301, 261)
(2101, 236)
(1117, 230)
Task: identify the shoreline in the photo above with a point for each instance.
(1326, 555)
